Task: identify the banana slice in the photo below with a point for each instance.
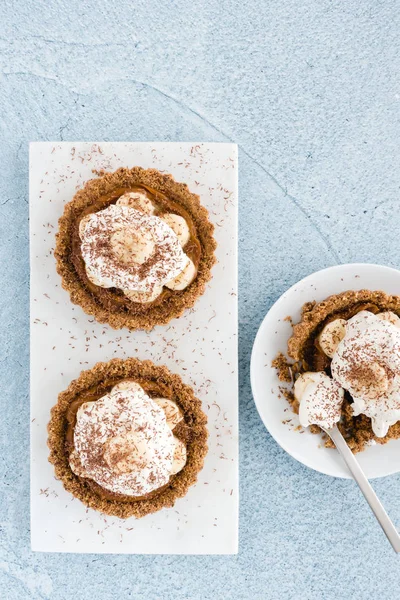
(172, 411)
(138, 201)
(178, 226)
(131, 246)
(82, 225)
(127, 384)
(184, 278)
(143, 297)
(369, 381)
(126, 453)
(304, 380)
(331, 336)
(179, 460)
(389, 316)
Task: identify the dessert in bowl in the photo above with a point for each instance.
(287, 320)
(127, 438)
(135, 248)
(346, 369)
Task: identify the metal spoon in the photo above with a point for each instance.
(364, 485)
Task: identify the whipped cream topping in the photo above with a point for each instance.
(367, 364)
(320, 399)
(131, 250)
(124, 441)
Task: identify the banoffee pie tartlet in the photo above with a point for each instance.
(345, 366)
(127, 438)
(135, 248)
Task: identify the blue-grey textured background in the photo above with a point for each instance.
(309, 90)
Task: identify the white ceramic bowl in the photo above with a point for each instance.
(272, 337)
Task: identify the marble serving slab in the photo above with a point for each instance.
(201, 346)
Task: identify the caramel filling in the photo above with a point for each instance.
(154, 389)
(113, 299)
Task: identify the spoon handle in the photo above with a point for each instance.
(369, 494)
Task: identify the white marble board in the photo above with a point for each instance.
(201, 347)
